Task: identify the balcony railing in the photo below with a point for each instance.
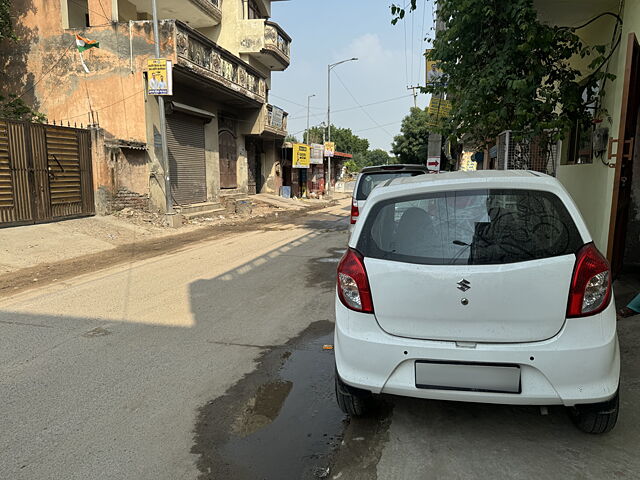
(197, 13)
(276, 119)
(194, 48)
(275, 38)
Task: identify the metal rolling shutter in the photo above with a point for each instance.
(185, 138)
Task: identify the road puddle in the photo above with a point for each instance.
(280, 421)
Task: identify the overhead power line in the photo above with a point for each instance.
(292, 102)
(354, 108)
(106, 106)
(379, 126)
(360, 106)
(35, 84)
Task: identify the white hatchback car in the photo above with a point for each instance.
(478, 287)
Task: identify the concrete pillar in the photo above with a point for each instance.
(212, 159)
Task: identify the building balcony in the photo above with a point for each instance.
(267, 42)
(196, 13)
(198, 56)
(269, 122)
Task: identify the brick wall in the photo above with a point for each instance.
(125, 198)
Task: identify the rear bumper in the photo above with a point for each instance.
(579, 365)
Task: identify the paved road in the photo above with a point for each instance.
(209, 363)
(103, 376)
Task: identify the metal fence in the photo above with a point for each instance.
(45, 173)
(538, 153)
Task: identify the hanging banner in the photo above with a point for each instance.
(301, 156)
(329, 149)
(433, 72)
(159, 77)
(317, 154)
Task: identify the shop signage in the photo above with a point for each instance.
(301, 156)
(317, 154)
(329, 149)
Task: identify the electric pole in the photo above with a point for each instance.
(329, 68)
(434, 148)
(308, 115)
(163, 121)
(415, 94)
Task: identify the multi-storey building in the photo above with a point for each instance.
(224, 136)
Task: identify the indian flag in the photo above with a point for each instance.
(85, 44)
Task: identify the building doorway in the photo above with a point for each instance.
(627, 148)
(254, 157)
(228, 160)
(186, 146)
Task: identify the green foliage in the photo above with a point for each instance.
(504, 70)
(14, 108)
(291, 138)
(346, 141)
(367, 159)
(412, 143)
(6, 25)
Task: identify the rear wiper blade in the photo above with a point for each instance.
(460, 243)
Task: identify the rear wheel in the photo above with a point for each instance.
(352, 401)
(596, 418)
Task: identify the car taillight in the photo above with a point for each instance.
(591, 283)
(355, 213)
(353, 284)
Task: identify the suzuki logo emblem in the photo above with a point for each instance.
(464, 285)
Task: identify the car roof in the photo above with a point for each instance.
(481, 179)
(394, 167)
(478, 176)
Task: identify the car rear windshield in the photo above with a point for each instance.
(369, 181)
(473, 227)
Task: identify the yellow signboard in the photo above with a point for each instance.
(439, 107)
(329, 149)
(159, 77)
(301, 156)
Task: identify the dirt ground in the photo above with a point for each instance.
(43, 254)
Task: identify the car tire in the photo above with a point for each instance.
(596, 418)
(351, 401)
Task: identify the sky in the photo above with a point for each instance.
(328, 31)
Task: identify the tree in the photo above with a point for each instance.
(367, 159)
(344, 139)
(504, 70)
(13, 106)
(6, 25)
(411, 145)
(291, 138)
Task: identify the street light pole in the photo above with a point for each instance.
(330, 67)
(163, 120)
(308, 114)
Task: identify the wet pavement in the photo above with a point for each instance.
(280, 421)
